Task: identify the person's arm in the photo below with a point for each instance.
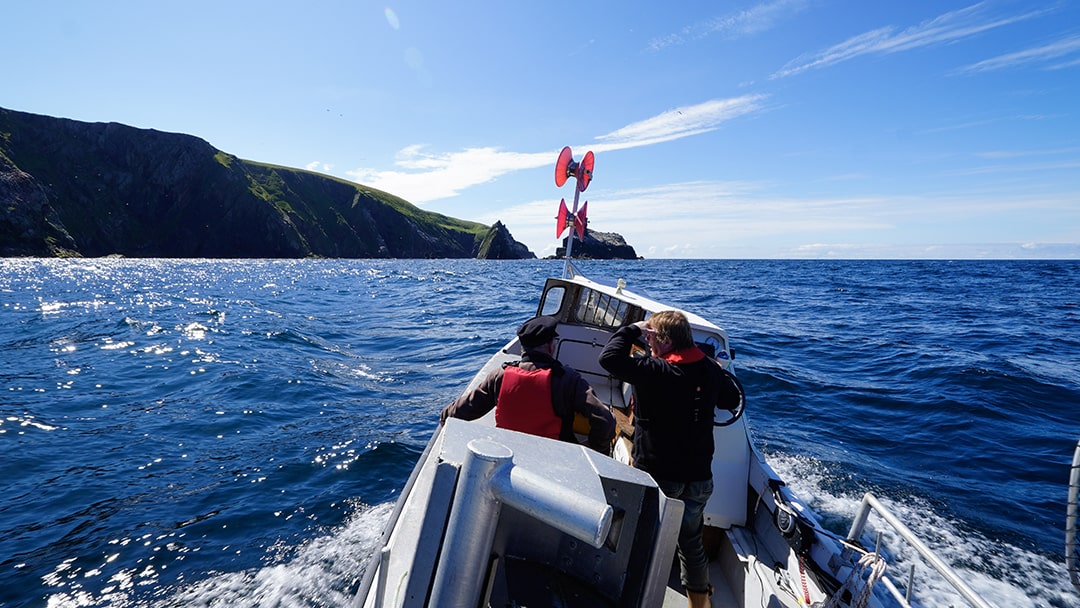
(477, 402)
(615, 357)
(601, 422)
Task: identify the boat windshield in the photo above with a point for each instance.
(582, 305)
(601, 310)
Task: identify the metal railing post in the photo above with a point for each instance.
(1072, 560)
(869, 501)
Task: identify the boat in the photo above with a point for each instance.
(494, 517)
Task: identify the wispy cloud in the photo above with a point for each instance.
(743, 23)
(422, 176)
(1006, 154)
(1041, 54)
(949, 27)
(681, 122)
(1068, 64)
(959, 126)
(1000, 169)
(428, 176)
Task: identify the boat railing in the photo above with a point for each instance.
(871, 503)
(1071, 558)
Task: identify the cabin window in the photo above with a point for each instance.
(601, 310)
(552, 301)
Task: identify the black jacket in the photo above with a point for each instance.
(674, 401)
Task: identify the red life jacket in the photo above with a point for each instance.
(524, 403)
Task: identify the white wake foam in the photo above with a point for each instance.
(1001, 574)
(323, 572)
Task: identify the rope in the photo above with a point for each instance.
(802, 576)
(871, 562)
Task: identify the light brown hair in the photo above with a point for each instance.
(673, 326)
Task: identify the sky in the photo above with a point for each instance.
(740, 129)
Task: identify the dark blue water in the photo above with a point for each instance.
(232, 433)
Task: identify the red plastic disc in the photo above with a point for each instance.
(561, 166)
(584, 171)
(560, 221)
(580, 221)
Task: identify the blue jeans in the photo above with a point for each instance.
(693, 563)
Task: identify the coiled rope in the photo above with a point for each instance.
(873, 565)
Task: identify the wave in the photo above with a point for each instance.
(1004, 573)
(323, 571)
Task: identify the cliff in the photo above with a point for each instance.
(498, 244)
(599, 246)
(70, 188)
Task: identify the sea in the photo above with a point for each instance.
(234, 433)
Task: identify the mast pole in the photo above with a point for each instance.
(565, 168)
(570, 238)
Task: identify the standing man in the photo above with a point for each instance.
(538, 395)
(676, 390)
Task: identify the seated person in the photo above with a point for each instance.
(538, 394)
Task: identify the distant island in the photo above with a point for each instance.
(599, 246)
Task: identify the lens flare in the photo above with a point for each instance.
(391, 18)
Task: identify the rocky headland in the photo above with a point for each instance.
(70, 189)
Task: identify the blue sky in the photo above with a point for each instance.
(767, 129)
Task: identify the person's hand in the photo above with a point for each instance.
(646, 331)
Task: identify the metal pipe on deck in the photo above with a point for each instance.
(487, 480)
(584, 518)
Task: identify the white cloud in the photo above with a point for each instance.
(696, 219)
(998, 169)
(423, 177)
(743, 23)
(680, 122)
(429, 177)
(948, 27)
(710, 219)
(1038, 54)
(955, 251)
(1068, 64)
